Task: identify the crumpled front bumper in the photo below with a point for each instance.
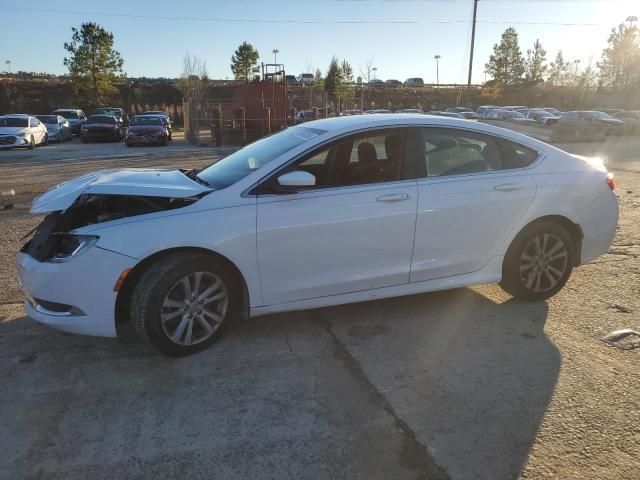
(75, 296)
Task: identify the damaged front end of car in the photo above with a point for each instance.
(54, 239)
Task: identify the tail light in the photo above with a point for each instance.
(611, 181)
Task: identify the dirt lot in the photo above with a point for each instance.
(466, 384)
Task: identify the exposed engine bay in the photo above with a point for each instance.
(51, 238)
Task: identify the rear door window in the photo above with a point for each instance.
(459, 152)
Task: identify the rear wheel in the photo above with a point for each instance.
(45, 140)
(182, 303)
(539, 262)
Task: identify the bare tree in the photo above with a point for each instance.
(365, 72)
(193, 83)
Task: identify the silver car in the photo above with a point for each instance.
(58, 127)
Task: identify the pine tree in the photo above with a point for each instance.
(243, 61)
(620, 62)
(506, 63)
(94, 66)
(558, 70)
(535, 65)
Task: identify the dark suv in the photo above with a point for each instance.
(119, 113)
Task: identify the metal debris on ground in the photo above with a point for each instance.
(626, 339)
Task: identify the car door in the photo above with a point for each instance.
(473, 192)
(352, 231)
(37, 130)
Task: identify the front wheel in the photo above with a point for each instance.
(32, 143)
(181, 303)
(539, 262)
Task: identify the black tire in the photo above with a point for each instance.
(164, 142)
(45, 142)
(128, 144)
(83, 140)
(32, 143)
(535, 260)
(154, 288)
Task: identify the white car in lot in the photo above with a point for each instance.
(22, 131)
(330, 212)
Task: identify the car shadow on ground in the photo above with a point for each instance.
(465, 376)
(471, 377)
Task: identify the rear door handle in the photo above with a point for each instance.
(508, 187)
(393, 197)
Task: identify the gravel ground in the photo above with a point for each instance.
(464, 384)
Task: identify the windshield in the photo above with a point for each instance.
(14, 122)
(48, 119)
(514, 115)
(247, 160)
(541, 113)
(145, 121)
(101, 119)
(68, 114)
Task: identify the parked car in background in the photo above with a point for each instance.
(515, 107)
(350, 212)
(306, 79)
(292, 80)
(58, 127)
(352, 112)
(376, 83)
(101, 127)
(542, 116)
(470, 115)
(610, 111)
(458, 109)
(631, 119)
(146, 129)
(378, 111)
(393, 83)
(507, 115)
(554, 111)
(305, 115)
(482, 110)
(409, 110)
(76, 118)
(22, 131)
(166, 119)
(584, 125)
(414, 82)
(119, 113)
(439, 113)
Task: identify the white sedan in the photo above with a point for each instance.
(330, 212)
(22, 131)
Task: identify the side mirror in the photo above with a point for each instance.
(298, 178)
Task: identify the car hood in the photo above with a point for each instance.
(11, 130)
(136, 182)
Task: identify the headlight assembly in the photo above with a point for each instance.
(69, 245)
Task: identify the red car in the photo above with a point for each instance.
(146, 129)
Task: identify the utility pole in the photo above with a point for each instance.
(275, 52)
(437, 57)
(473, 39)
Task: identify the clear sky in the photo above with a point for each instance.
(154, 35)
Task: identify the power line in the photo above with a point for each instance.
(295, 21)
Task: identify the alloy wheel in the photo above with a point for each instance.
(194, 308)
(543, 262)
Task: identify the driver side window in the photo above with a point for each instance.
(369, 158)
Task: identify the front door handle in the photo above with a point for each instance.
(508, 187)
(393, 197)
